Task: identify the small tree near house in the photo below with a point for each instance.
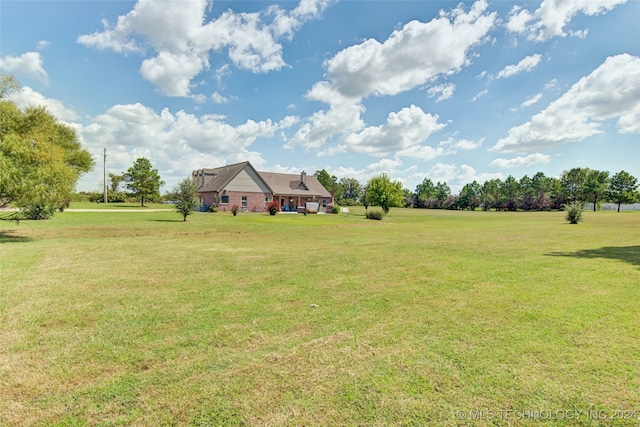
(186, 196)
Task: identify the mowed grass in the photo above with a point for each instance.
(140, 319)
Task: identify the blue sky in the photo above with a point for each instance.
(451, 91)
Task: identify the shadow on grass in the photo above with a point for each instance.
(10, 236)
(166, 220)
(630, 254)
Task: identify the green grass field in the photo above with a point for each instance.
(424, 318)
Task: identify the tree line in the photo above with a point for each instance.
(536, 193)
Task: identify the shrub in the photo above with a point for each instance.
(235, 209)
(574, 212)
(212, 208)
(273, 208)
(38, 211)
(335, 209)
(374, 214)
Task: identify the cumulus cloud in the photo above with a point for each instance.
(525, 65)
(452, 145)
(611, 91)
(26, 97)
(402, 130)
(551, 18)
(176, 31)
(444, 90)
(532, 159)
(456, 176)
(411, 56)
(178, 142)
(28, 64)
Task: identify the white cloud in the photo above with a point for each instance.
(177, 33)
(219, 99)
(452, 144)
(176, 143)
(403, 130)
(411, 56)
(26, 97)
(414, 55)
(43, 44)
(551, 18)
(29, 64)
(531, 101)
(445, 91)
(456, 176)
(479, 95)
(532, 159)
(611, 91)
(525, 65)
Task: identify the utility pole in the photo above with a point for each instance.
(104, 152)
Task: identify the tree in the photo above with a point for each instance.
(442, 193)
(490, 193)
(573, 183)
(8, 84)
(330, 182)
(425, 191)
(510, 192)
(186, 196)
(383, 192)
(41, 159)
(143, 180)
(114, 182)
(595, 186)
(470, 196)
(352, 190)
(623, 189)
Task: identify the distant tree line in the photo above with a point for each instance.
(536, 193)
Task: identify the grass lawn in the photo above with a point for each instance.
(424, 318)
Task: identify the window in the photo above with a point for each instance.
(266, 201)
(244, 201)
(324, 203)
(224, 200)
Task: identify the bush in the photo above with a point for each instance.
(235, 209)
(374, 215)
(574, 212)
(273, 208)
(335, 209)
(37, 211)
(212, 208)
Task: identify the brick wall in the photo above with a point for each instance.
(255, 201)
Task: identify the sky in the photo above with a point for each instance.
(449, 91)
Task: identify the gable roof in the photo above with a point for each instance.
(218, 178)
(289, 184)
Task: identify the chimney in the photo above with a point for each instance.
(303, 177)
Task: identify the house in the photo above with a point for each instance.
(240, 184)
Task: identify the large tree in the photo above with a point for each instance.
(425, 192)
(573, 183)
(383, 192)
(143, 181)
(352, 190)
(331, 183)
(470, 196)
(186, 196)
(595, 186)
(41, 159)
(623, 189)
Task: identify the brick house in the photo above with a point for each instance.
(240, 184)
